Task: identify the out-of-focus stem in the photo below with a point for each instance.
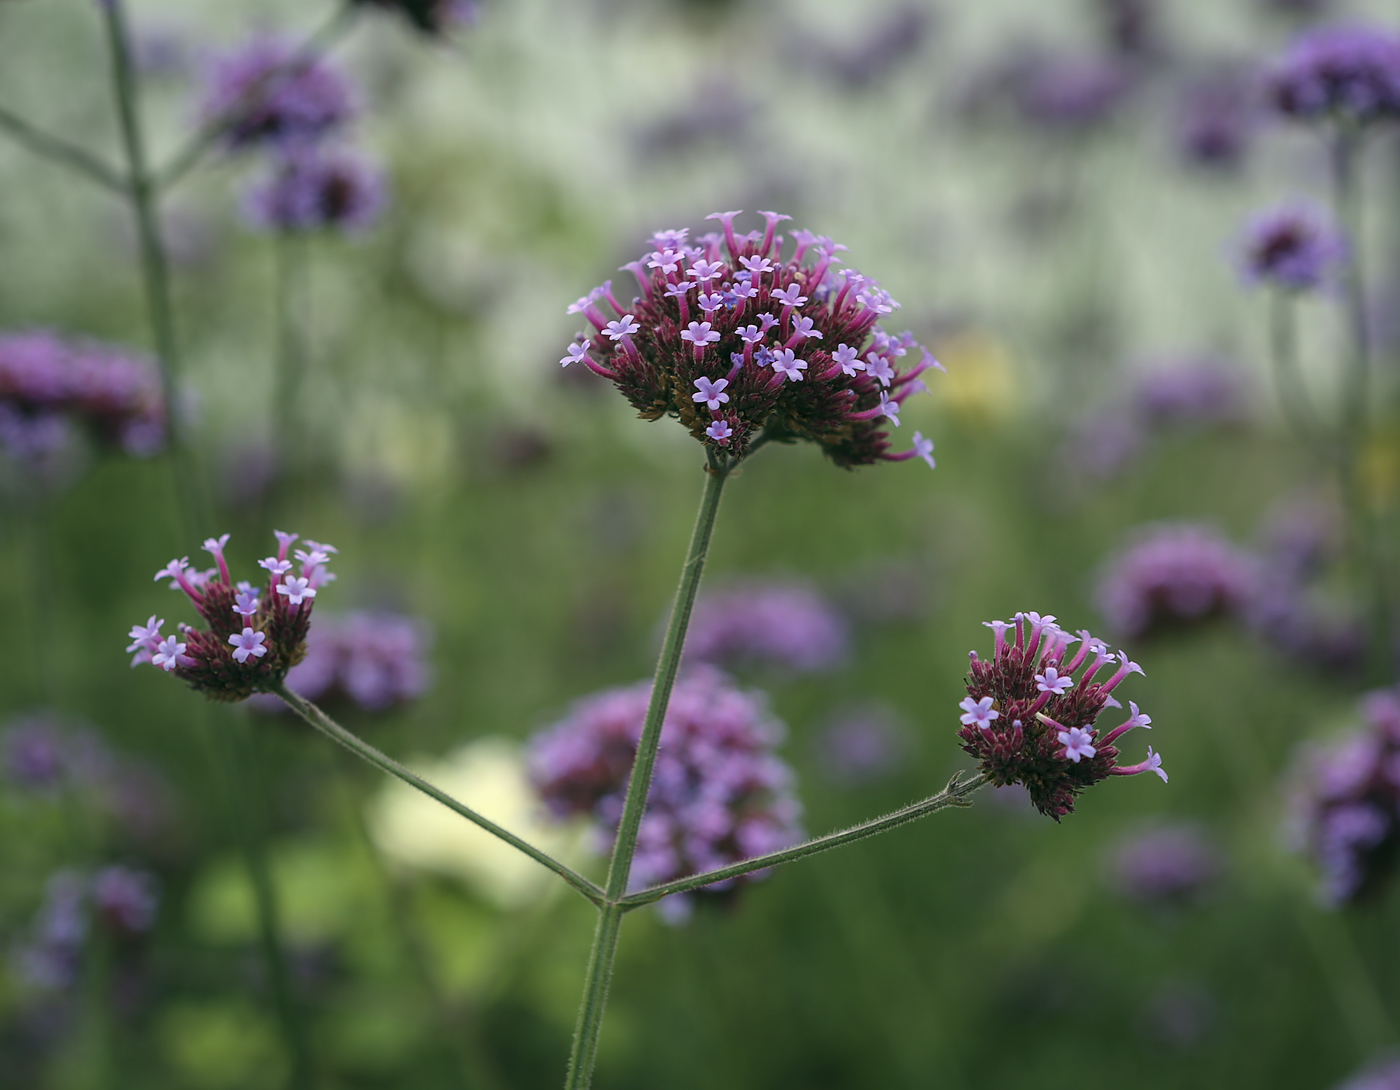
(1298, 406)
(290, 364)
(58, 150)
(155, 270)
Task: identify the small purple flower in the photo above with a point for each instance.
(125, 900)
(575, 352)
(790, 296)
(786, 363)
(711, 393)
(719, 794)
(1345, 72)
(779, 623)
(623, 327)
(1294, 247)
(256, 94)
(1168, 864)
(315, 189)
(1044, 736)
(1174, 574)
(252, 639)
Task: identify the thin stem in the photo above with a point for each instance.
(1293, 395)
(58, 150)
(290, 361)
(957, 793)
(248, 786)
(356, 745)
(600, 961)
(198, 145)
(155, 270)
(1369, 558)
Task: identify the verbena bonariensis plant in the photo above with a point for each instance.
(734, 340)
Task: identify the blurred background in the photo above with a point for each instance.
(1054, 191)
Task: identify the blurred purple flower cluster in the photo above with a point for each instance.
(862, 743)
(1345, 72)
(119, 900)
(370, 659)
(1346, 803)
(267, 95)
(719, 794)
(49, 383)
(777, 623)
(1294, 247)
(1170, 864)
(1172, 574)
(1215, 119)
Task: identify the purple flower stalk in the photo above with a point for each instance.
(1028, 720)
(1346, 806)
(260, 93)
(316, 189)
(46, 381)
(788, 625)
(1175, 574)
(1293, 247)
(255, 635)
(795, 342)
(718, 794)
(1346, 73)
(1172, 864)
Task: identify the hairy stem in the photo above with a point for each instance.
(957, 793)
(197, 146)
(358, 746)
(155, 270)
(58, 150)
(600, 961)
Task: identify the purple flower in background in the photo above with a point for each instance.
(206, 659)
(719, 794)
(46, 381)
(314, 189)
(669, 347)
(1174, 573)
(261, 92)
(862, 743)
(35, 753)
(1072, 93)
(1346, 804)
(1171, 864)
(1216, 117)
(1294, 247)
(773, 622)
(372, 659)
(1383, 1075)
(124, 900)
(1021, 731)
(1345, 72)
(1188, 393)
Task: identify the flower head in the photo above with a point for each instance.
(719, 794)
(749, 292)
(1167, 864)
(1028, 720)
(776, 623)
(253, 638)
(262, 92)
(1348, 73)
(315, 189)
(1294, 247)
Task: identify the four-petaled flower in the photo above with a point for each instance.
(711, 393)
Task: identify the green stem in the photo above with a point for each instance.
(155, 270)
(356, 745)
(600, 961)
(290, 361)
(956, 793)
(1368, 557)
(58, 150)
(198, 145)
(1293, 396)
(248, 786)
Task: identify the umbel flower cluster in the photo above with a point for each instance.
(734, 339)
(48, 383)
(1346, 809)
(718, 793)
(255, 635)
(1028, 720)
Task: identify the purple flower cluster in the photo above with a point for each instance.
(718, 794)
(1172, 864)
(1215, 118)
(262, 93)
(1293, 247)
(372, 660)
(1346, 806)
(1347, 72)
(119, 900)
(861, 744)
(431, 17)
(255, 635)
(1172, 574)
(783, 624)
(1073, 93)
(1190, 393)
(1384, 1075)
(47, 382)
(1028, 720)
(314, 188)
(734, 339)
